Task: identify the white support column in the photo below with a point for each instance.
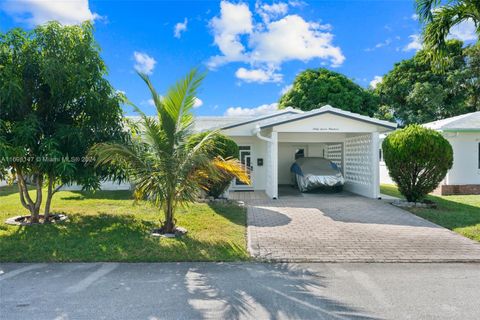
(376, 165)
(274, 155)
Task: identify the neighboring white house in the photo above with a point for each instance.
(463, 133)
(268, 145)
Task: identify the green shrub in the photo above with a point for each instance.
(224, 147)
(417, 159)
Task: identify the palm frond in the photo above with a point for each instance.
(424, 9)
(232, 168)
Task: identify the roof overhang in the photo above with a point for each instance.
(334, 111)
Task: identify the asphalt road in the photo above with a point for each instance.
(239, 291)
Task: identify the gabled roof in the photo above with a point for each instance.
(464, 122)
(332, 110)
(279, 114)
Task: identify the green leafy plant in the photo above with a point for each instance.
(413, 92)
(438, 17)
(314, 88)
(166, 167)
(417, 159)
(225, 148)
(55, 103)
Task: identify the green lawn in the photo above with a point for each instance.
(107, 226)
(458, 213)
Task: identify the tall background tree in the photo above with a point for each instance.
(414, 92)
(313, 89)
(55, 103)
(438, 17)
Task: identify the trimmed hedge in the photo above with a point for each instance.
(417, 159)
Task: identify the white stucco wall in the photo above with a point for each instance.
(328, 123)
(465, 158)
(259, 150)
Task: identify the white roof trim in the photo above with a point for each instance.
(263, 117)
(330, 109)
(464, 122)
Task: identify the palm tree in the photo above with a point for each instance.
(438, 18)
(164, 167)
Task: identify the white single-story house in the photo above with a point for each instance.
(269, 144)
(463, 133)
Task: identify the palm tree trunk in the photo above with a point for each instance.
(169, 225)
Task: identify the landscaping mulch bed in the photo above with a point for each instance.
(26, 220)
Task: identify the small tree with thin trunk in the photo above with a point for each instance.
(55, 103)
(417, 159)
(168, 167)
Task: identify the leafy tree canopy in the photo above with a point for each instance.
(313, 89)
(413, 92)
(55, 103)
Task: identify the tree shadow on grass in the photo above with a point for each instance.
(232, 212)
(105, 237)
(8, 190)
(100, 195)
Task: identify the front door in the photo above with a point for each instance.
(245, 156)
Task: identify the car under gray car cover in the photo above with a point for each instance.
(314, 172)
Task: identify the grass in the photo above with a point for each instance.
(458, 213)
(108, 226)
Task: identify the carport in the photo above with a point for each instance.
(349, 140)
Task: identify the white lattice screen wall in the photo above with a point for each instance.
(358, 160)
(335, 154)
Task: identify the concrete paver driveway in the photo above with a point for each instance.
(347, 228)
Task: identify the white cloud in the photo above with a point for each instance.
(414, 44)
(286, 89)
(198, 103)
(179, 28)
(34, 12)
(376, 80)
(143, 62)
(258, 75)
(148, 102)
(414, 17)
(292, 38)
(269, 11)
(266, 45)
(379, 45)
(464, 31)
(234, 20)
(261, 110)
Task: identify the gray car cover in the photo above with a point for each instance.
(311, 173)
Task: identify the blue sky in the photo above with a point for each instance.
(251, 50)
